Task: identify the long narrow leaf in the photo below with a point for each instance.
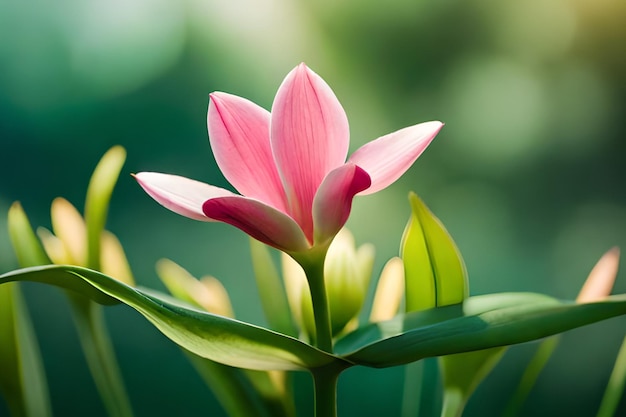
(615, 388)
(530, 376)
(99, 193)
(462, 373)
(230, 386)
(26, 246)
(482, 322)
(223, 340)
(22, 380)
(271, 290)
(98, 350)
(87, 317)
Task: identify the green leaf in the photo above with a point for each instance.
(271, 290)
(275, 388)
(533, 369)
(22, 380)
(481, 322)
(461, 375)
(223, 340)
(99, 192)
(87, 316)
(232, 388)
(435, 273)
(95, 341)
(26, 246)
(615, 388)
(413, 388)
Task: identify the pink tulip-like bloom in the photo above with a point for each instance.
(289, 165)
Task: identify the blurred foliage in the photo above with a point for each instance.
(527, 175)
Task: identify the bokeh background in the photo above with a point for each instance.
(528, 174)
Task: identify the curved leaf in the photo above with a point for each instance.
(615, 388)
(479, 323)
(26, 246)
(232, 388)
(22, 380)
(218, 338)
(531, 374)
(99, 192)
(461, 374)
(271, 290)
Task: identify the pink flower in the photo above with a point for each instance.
(289, 165)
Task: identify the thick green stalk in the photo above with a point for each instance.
(324, 378)
(100, 356)
(314, 271)
(325, 384)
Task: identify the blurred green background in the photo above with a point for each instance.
(528, 174)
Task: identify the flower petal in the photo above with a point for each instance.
(262, 222)
(239, 132)
(388, 157)
(333, 200)
(69, 226)
(309, 138)
(179, 194)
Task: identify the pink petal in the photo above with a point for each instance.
(179, 194)
(388, 157)
(309, 137)
(333, 200)
(239, 132)
(259, 220)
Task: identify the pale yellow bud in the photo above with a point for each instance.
(68, 244)
(389, 291)
(68, 225)
(347, 277)
(207, 293)
(213, 297)
(54, 247)
(113, 260)
(600, 281)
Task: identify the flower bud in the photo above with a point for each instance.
(389, 291)
(207, 293)
(347, 273)
(67, 245)
(435, 273)
(600, 281)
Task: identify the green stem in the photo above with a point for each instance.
(453, 403)
(412, 391)
(99, 354)
(321, 312)
(325, 384)
(615, 388)
(530, 376)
